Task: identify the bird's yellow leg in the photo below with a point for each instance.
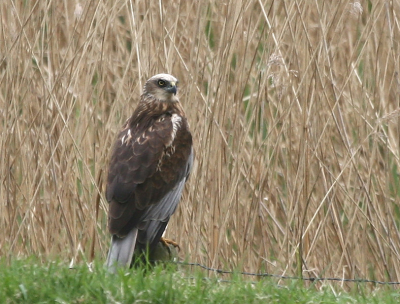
(168, 242)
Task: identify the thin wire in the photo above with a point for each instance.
(312, 279)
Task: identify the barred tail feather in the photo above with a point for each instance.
(121, 251)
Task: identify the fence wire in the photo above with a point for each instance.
(284, 277)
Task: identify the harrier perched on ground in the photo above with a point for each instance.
(150, 164)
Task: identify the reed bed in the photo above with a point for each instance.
(294, 108)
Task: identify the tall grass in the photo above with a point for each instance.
(294, 108)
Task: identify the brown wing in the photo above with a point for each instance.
(145, 176)
(156, 217)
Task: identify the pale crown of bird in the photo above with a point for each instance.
(162, 87)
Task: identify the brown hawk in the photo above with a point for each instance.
(149, 166)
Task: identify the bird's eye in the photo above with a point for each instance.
(161, 83)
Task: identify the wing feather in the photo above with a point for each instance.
(156, 217)
(147, 175)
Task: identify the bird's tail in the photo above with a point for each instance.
(121, 251)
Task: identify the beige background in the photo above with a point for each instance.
(294, 109)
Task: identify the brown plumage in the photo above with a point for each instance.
(151, 161)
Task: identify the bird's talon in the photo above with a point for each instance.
(167, 242)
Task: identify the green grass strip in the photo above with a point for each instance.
(30, 281)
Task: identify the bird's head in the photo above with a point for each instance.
(162, 87)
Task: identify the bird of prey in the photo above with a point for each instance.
(149, 166)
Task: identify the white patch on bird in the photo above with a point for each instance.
(126, 138)
(162, 95)
(176, 123)
(167, 77)
(142, 138)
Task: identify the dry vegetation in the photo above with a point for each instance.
(294, 108)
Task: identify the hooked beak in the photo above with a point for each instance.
(172, 88)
